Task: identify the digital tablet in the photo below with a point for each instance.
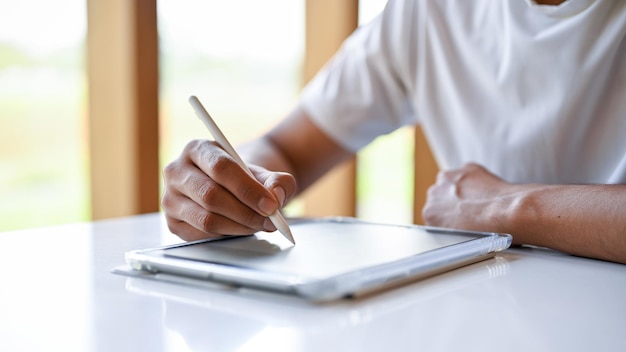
(333, 257)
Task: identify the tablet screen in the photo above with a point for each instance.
(323, 249)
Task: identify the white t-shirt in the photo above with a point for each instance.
(534, 93)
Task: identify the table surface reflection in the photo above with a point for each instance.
(58, 294)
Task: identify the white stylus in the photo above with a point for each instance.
(277, 218)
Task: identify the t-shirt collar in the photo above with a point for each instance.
(566, 9)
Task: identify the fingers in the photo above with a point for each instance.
(456, 175)
(222, 168)
(207, 194)
(192, 222)
(211, 209)
(281, 184)
(466, 197)
(444, 196)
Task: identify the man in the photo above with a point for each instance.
(523, 104)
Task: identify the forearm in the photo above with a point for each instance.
(585, 220)
(296, 146)
(263, 153)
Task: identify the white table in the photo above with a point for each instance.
(58, 294)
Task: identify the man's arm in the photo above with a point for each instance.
(584, 220)
(207, 194)
(297, 146)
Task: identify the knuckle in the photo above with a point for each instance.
(199, 219)
(427, 215)
(431, 216)
(179, 228)
(453, 176)
(172, 204)
(471, 168)
(193, 146)
(170, 170)
(176, 228)
(208, 221)
(431, 191)
(446, 176)
(208, 192)
(166, 201)
(219, 164)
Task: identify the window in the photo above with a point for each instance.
(385, 167)
(242, 58)
(43, 155)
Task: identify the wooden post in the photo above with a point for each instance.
(122, 60)
(328, 23)
(425, 174)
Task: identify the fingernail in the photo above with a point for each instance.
(267, 206)
(280, 195)
(268, 225)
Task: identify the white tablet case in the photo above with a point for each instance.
(333, 257)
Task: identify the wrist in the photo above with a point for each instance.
(521, 213)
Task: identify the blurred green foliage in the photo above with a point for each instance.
(42, 140)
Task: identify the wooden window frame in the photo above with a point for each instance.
(122, 69)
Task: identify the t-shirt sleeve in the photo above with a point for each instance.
(360, 94)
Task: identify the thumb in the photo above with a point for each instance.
(280, 194)
(281, 184)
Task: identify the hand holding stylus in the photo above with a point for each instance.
(277, 219)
